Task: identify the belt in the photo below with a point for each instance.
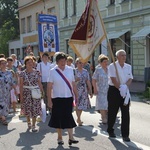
(30, 87)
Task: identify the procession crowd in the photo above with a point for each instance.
(63, 85)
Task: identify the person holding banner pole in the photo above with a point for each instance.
(118, 94)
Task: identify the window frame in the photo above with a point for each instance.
(23, 25)
(74, 7)
(29, 23)
(50, 10)
(66, 8)
(112, 2)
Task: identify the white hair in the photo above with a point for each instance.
(54, 57)
(120, 51)
(13, 55)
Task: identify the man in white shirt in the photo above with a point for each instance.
(118, 95)
(44, 68)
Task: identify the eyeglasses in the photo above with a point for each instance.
(80, 62)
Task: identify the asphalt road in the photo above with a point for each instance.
(92, 135)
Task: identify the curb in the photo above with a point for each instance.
(146, 101)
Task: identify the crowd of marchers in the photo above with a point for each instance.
(64, 85)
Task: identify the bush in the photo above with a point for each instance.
(146, 93)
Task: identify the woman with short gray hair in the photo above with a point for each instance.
(100, 85)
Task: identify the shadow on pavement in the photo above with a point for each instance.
(91, 110)
(123, 146)
(28, 138)
(103, 127)
(61, 148)
(80, 133)
(4, 130)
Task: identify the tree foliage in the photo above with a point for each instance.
(9, 23)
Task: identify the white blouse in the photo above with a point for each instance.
(60, 88)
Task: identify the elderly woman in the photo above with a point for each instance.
(83, 87)
(6, 84)
(13, 69)
(100, 85)
(61, 86)
(31, 107)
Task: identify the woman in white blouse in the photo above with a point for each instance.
(60, 98)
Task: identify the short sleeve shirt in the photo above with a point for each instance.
(44, 69)
(126, 69)
(60, 88)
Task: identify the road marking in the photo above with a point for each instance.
(103, 133)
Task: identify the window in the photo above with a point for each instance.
(51, 10)
(37, 14)
(74, 7)
(113, 46)
(23, 27)
(12, 51)
(66, 8)
(18, 52)
(29, 24)
(148, 48)
(24, 52)
(112, 2)
(100, 49)
(67, 46)
(127, 47)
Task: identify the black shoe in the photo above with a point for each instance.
(112, 135)
(70, 142)
(60, 142)
(126, 139)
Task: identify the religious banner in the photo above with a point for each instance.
(48, 33)
(89, 32)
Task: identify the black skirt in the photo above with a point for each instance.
(61, 116)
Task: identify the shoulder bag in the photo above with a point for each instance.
(35, 90)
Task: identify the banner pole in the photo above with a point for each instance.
(109, 48)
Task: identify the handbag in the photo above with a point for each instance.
(35, 90)
(43, 113)
(67, 82)
(36, 93)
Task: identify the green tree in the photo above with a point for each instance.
(9, 23)
(8, 33)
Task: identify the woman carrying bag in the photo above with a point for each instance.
(31, 106)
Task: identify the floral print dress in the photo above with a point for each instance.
(6, 83)
(101, 78)
(83, 101)
(30, 107)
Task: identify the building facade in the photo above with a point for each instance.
(28, 20)
(127, 23)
